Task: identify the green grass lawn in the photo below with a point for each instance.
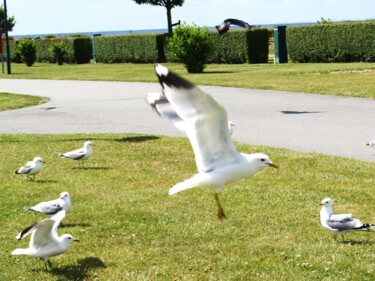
(11, 101)
(341, 79)
(130, 229)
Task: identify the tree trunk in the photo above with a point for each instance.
(169, 16)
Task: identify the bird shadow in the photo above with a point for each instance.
(62, 225)
(299, 112)
(91, 168)
(356, 242)
(138, 138)
(80, 271)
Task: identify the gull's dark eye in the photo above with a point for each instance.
(262, 159)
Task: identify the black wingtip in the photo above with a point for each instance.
(23, 232)
(167, 77)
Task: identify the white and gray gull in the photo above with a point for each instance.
(52, 207)
(81, 154)
(31, 168)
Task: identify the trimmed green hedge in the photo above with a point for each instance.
(139, 48)
(79, 50)
(346, 42)
(242, 46)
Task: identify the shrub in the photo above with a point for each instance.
(58, 50)
(27, 50)
(191, 46)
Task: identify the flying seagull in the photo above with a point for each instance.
(224, 27)
(371, 143)
(80, 154)
(31, 168)
(162, 107)
(206, 125)
(340, 223)
(52, 207)
(44, 241)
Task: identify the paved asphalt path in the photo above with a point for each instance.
(301, 122)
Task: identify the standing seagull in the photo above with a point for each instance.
(31, 168)
(44, 241)
(371, 143)
(224, 27)
(206, 125)
(52, 207)
(340, 223)
(80, 154)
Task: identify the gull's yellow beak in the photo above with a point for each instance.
(273, 165)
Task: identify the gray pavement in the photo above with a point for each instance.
(301, 122)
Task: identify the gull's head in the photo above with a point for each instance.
(161, 70)
(264, 161)
(64, 195)
(38, 160)
(88, 144)
(68, 239)
(327, 202)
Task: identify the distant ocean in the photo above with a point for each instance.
(140, 31)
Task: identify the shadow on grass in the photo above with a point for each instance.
(356, 242)
(138, 138)
(217, 72)
(299, 112)
(91, 168)
(81, 271)
(62, 225)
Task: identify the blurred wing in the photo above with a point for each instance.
(42, 235)
(161, 105)
(205, 120)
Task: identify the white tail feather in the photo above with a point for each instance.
(18, 252)
(182, 186)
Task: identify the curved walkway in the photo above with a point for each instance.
(301, 122)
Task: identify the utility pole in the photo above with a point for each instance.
(6, 37)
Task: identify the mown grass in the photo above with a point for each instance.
(11, 101)
(341, 79)
(130, 229)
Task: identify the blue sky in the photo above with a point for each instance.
(71, 16)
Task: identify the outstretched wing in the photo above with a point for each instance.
(239, 23)
(205, 120)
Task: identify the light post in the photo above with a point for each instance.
(6, 37)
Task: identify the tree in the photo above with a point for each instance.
(11, 22)
(168, 4)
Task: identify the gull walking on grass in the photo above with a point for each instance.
(79, 155)
(340, 223)
(205, 123)
(31, 168)
(52, 207)
(44, 241)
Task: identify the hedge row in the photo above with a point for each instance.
(233, 47)
(346, 42)
(79, 50)
(140, 48)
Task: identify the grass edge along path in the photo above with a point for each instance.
(130, 229)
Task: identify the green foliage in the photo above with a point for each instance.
(192, 46)
(27, 50)
(348, 42)
(324, 21)
(242, 46)
(138, 48)
(10, 23)
(58, 50)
